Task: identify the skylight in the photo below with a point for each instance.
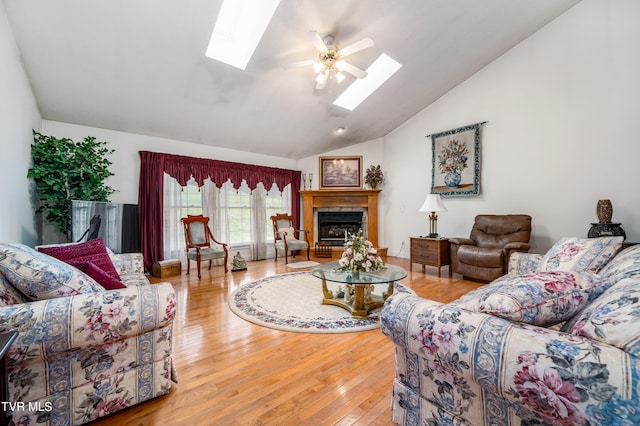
(379, 72)
(238, 30)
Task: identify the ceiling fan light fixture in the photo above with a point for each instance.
(341, 64)
(339, 77)
(318, 66)
(238, 30)
(321, 78)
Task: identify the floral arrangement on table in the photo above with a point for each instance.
(373, 176)
(359, 255)
(454, 157)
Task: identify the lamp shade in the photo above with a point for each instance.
(433, 203)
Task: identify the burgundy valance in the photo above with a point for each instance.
(182, 168)
(153, 165)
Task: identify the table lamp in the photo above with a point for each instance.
(433, 204)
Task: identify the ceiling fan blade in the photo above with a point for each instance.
(354, 70)
(357, 46)
(317, 41)
(299, 64)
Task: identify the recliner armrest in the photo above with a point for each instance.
(517, 246)
(462, 241)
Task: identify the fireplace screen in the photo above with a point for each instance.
(333, 226)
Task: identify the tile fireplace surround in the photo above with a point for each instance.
(358, 200)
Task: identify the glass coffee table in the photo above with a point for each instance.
(363, 300)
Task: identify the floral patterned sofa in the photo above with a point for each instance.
(82, 351)
(556, 341)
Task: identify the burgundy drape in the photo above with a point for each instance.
(153, 165)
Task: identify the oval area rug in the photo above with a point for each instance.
(293, 302)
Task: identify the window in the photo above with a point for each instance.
(276, 202)
(238, 207)
(235, 210)
(178, 203)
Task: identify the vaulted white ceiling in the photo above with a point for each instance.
(139, 66)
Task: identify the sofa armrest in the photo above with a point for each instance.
(128, 263)
(462, 241)
(47, 327)
(526, 365)
(513, 247)
(524, 263)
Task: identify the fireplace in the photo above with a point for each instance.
(332, 225)
(341, 200)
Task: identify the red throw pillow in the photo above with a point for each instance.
(93, 251)
(98, 274)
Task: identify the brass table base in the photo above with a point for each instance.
(359, 307)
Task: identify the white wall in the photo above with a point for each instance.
(562, 110)
(18, 115)
(126, 160)
(372, 152)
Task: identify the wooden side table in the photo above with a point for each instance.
(430, 251)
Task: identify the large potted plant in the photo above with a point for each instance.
(64, 170)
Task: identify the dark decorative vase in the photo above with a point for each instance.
(452, 179)
(604, 210)
(373, 185)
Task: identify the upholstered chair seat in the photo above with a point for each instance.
(292, 244)
(481, 256)
(207, 253)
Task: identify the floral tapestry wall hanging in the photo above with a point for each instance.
(455, 169)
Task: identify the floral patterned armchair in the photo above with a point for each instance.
(82, 351)
(555, 342)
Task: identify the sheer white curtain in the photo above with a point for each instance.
(240, 218)
(176, 206)
(259, 223)
(210, 203)
(211, 208)
(221, 204)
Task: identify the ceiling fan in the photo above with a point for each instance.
(330, 60)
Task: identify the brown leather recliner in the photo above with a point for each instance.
(484, 256)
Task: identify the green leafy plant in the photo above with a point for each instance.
(64, 170)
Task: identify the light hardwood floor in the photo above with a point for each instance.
(232, 372)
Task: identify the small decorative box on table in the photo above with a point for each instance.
(166, 268)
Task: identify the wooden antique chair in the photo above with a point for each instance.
(284, 236)
(200, 243)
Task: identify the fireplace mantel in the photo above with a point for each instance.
(342, 198)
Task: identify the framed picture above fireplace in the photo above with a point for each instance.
(340, 172)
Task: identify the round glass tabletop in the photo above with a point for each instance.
(331, 272)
